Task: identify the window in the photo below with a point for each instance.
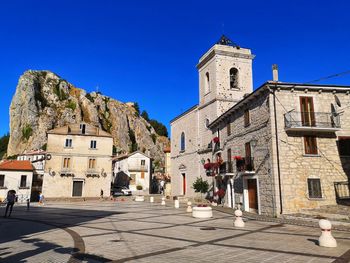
(246, 118)
(314, 188)
(344, 146)
(68, 143)
(82, 128)
(66, 163)
(229, 161)
(207, 83)
(182, 142)
(307, 111)
(310, 144)
(233, 78)
(93, 144)
(23, 181)
(92, 163)
(143, 162)
(2, 180)
(228, 128)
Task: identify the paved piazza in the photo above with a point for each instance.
(143, 232)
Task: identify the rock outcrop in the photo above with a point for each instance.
(44, 101)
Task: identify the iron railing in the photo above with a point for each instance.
(245, 164)
(295, 119)
(226, 167)
(342, 190)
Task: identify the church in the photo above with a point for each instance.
(225, 77)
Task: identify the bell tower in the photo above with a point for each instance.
(225, 76)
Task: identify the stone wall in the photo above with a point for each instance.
(296, 166)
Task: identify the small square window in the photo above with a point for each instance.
(314, 188)
(310, 144)
(92, 163)
(68, 143)
(143, 162)
(66, 163)
(93, 144)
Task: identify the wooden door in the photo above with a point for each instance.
(77, 188)
(252, 194)
(307, 111)
(184, 184)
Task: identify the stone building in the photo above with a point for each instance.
(79, 162)
(16, 175)
(225, 76)
(287, 146)
(137, 166)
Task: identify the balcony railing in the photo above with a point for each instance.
(245, 164)
(311, 121)
(342, 190)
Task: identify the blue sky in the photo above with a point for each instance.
(146, 51)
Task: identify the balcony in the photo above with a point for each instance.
(311, 121)
(226, 168)
(137, 168)
(342, 192)
(92, 172)
(66, 172)
(245, 165)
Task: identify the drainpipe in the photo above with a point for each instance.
(277, 152)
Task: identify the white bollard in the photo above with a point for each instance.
(189, 207)
(151, 199)
(239, 221)
(326, 239)
(163, 201)
(177, 204)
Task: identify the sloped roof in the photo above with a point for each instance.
(123, 156)
(74, 129)
(15, 165)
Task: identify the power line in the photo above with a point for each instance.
(329, 77)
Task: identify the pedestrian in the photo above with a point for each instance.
(101, 194)
(41, 198)
(162, 186)
(10, 199)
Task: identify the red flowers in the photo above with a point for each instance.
(216, 139)
(207, 166)
(220, 193)
(201, 205)
(237, 157)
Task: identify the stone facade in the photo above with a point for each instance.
(281, 160)
(225, 76)
(93, 176)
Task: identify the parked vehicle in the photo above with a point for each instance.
(120, 191)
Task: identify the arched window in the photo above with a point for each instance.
(207, 83)
(233, 78)
(182, 142)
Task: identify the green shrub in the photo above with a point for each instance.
(200, 185)
(60, 93)
(27, 132)
(71, 105)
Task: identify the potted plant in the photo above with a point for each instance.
(201, 210)
(139, 198)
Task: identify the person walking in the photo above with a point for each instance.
(10, 199)
(101, 195)
(41, 198)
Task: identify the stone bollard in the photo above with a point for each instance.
(151, 199)
(189, 207)
(326, 239)
(177, 203)
(163, 201)
(239, 221)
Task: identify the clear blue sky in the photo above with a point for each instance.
(146, 51)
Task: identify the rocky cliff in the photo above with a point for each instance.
(44, 101)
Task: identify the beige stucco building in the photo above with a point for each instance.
(79, 162)
(225, 76)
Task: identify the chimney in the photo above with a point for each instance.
(275, 72)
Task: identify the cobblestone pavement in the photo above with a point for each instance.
(143, 232)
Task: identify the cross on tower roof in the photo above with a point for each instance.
(225, 41)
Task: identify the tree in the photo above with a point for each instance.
(200, 186)
(4, 141)
(144, 115)
(137, 108)
(159, 128)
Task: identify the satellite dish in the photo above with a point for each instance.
(48, 156)
(337, 100)
(333, 110)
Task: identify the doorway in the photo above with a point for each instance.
(252, 195)
(183, 183)
(77, 188)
